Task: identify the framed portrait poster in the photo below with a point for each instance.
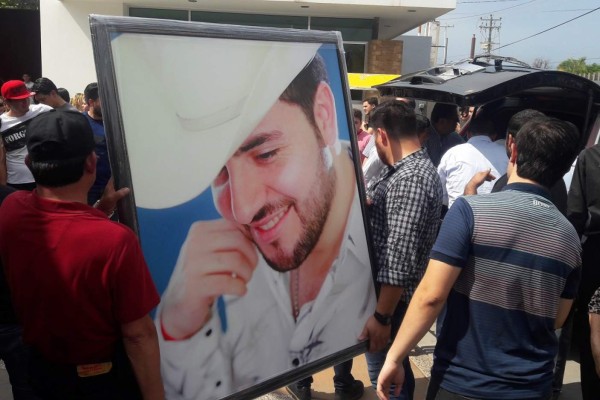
(239, 148)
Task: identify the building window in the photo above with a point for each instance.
(180, 15)
(353, 29)
(355, 54)
(274, 21)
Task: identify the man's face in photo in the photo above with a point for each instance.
(279, 186)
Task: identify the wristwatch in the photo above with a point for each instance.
(384, 320)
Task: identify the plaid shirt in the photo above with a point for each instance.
(405, 211)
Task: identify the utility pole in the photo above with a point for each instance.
(445, 27)
(433, 30)
(488, 27)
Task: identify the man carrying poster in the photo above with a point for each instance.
(284, 278)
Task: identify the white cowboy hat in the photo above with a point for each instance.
(188, 103)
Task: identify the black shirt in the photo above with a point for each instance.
(584, 195)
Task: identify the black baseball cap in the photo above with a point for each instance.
(43, 86)
(59, 135)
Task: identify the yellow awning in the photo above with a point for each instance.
(367, 81)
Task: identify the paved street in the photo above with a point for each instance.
(421, 360)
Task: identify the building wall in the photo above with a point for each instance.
(67, 57)
(384, 57)
(415, 53)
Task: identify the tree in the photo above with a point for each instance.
(542, 63)
(577, 66)
(20, 4)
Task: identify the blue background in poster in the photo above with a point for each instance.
(163, 231)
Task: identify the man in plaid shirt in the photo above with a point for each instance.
(405, 205)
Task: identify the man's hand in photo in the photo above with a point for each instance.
(215, 259)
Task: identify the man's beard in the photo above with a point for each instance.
(97, 112)
(312, 212)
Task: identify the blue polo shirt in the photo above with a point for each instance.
(519, 255)
(103, 171)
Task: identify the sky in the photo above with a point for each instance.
(520, 19)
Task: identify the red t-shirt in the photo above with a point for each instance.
(75, 277)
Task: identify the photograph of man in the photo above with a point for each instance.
(279, 276)
(289, 191)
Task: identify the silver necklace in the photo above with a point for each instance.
(295, 277)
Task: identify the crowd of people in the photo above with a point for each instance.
(480, 235)
(76, 324)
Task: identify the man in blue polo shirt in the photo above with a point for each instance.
(507, 265)
(94, 117)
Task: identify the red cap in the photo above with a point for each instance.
(15, 90)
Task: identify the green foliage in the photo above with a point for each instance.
(20, 4)
(578, 66)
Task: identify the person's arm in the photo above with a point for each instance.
(564, 307)
(205, 270)
(141, 345)
(377, 333)
(595, 339)
(477, 180)
(594, 318)
(568, 295)
(110, 197)
(424, 308)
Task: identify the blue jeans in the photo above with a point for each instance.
(15, 357)
(342, 379)
(375, 360)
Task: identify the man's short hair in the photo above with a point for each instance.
(43, 86)
(442, 110)
(64, 94)
(481, 126)
(546, 148)
(406, 100)
(519, 119)
(395, 117)
(91, 92)
(58, 143)
(357, 114)
(372, 101)
(303, 88)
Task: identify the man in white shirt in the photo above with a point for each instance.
(13, 170)
(480, 153)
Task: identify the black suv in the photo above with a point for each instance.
(506, 86)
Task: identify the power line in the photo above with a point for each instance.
(549, 29)
(487, 13)
(576, 9)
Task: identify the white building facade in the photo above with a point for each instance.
(366, 25)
